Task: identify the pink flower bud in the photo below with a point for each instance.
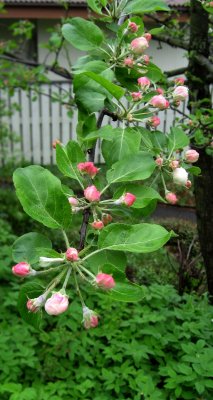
(97, 225)
(138, 45)
(171, 198)
(159, 161)
(188, 184)
(133, 27)
(136, 96)
(106, 219)
(180, 93)
(129, 117)
(174, 164)
(72, 254)
(160, 102)
(144, 82)
(160, 91)
(105, 281)
(180, 176)
(146, 59)
(33, 305)
(129, 199)
(21, 269)
(209, 4)
(176, 103)
(129, 62)
(88, 168)
(55, 142)
(92, 194)
(56, 304)
(73, 201)
(148, 36)
(179, 81)
(191, 156)
(90, 318)
(190, 122)
(154, 121)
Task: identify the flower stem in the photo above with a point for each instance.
(55, 282)
(87, 271)
(164, 184)
(91, 254)
(67, 278)
(50, 270)
(66, 239)
(78, 289)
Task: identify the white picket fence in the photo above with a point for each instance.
(37, 123)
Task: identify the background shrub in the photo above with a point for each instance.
(159, 348)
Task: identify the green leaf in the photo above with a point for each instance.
(194, 170)
(117, 258)
(128, 78)
(88, 94)
(67, 159)
(134, 167)
(74, 152)
(140, 238)
(30, 291)
(50, 253)
(199, 387)
(25, 248)
(82, 34)
(95, 6)
(145, 6)
(125, 143)
(115, 90)
(126, 291)
(154, 73)
(152, 140)
(67, 191)
(106, 132)
(113, 270)
(41, 196)
(177, 139)
(156, 31)
(94, 66)
(144, 195)
(11, 388)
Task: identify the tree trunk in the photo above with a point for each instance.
(199, 90)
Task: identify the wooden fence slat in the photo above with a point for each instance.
(40, 122)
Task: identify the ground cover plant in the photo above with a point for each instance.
(158, 348)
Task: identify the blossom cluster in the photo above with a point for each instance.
(179, 174)
(57, 302)
(162, 100)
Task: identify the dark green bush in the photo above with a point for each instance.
(157, 349)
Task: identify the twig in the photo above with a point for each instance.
(174, 72)
(83, 230)
(56, 69)
(179, 112)
(174, 42)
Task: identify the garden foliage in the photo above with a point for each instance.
(157, 349)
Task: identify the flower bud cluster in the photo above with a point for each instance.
(137, 47)
(179, 173)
